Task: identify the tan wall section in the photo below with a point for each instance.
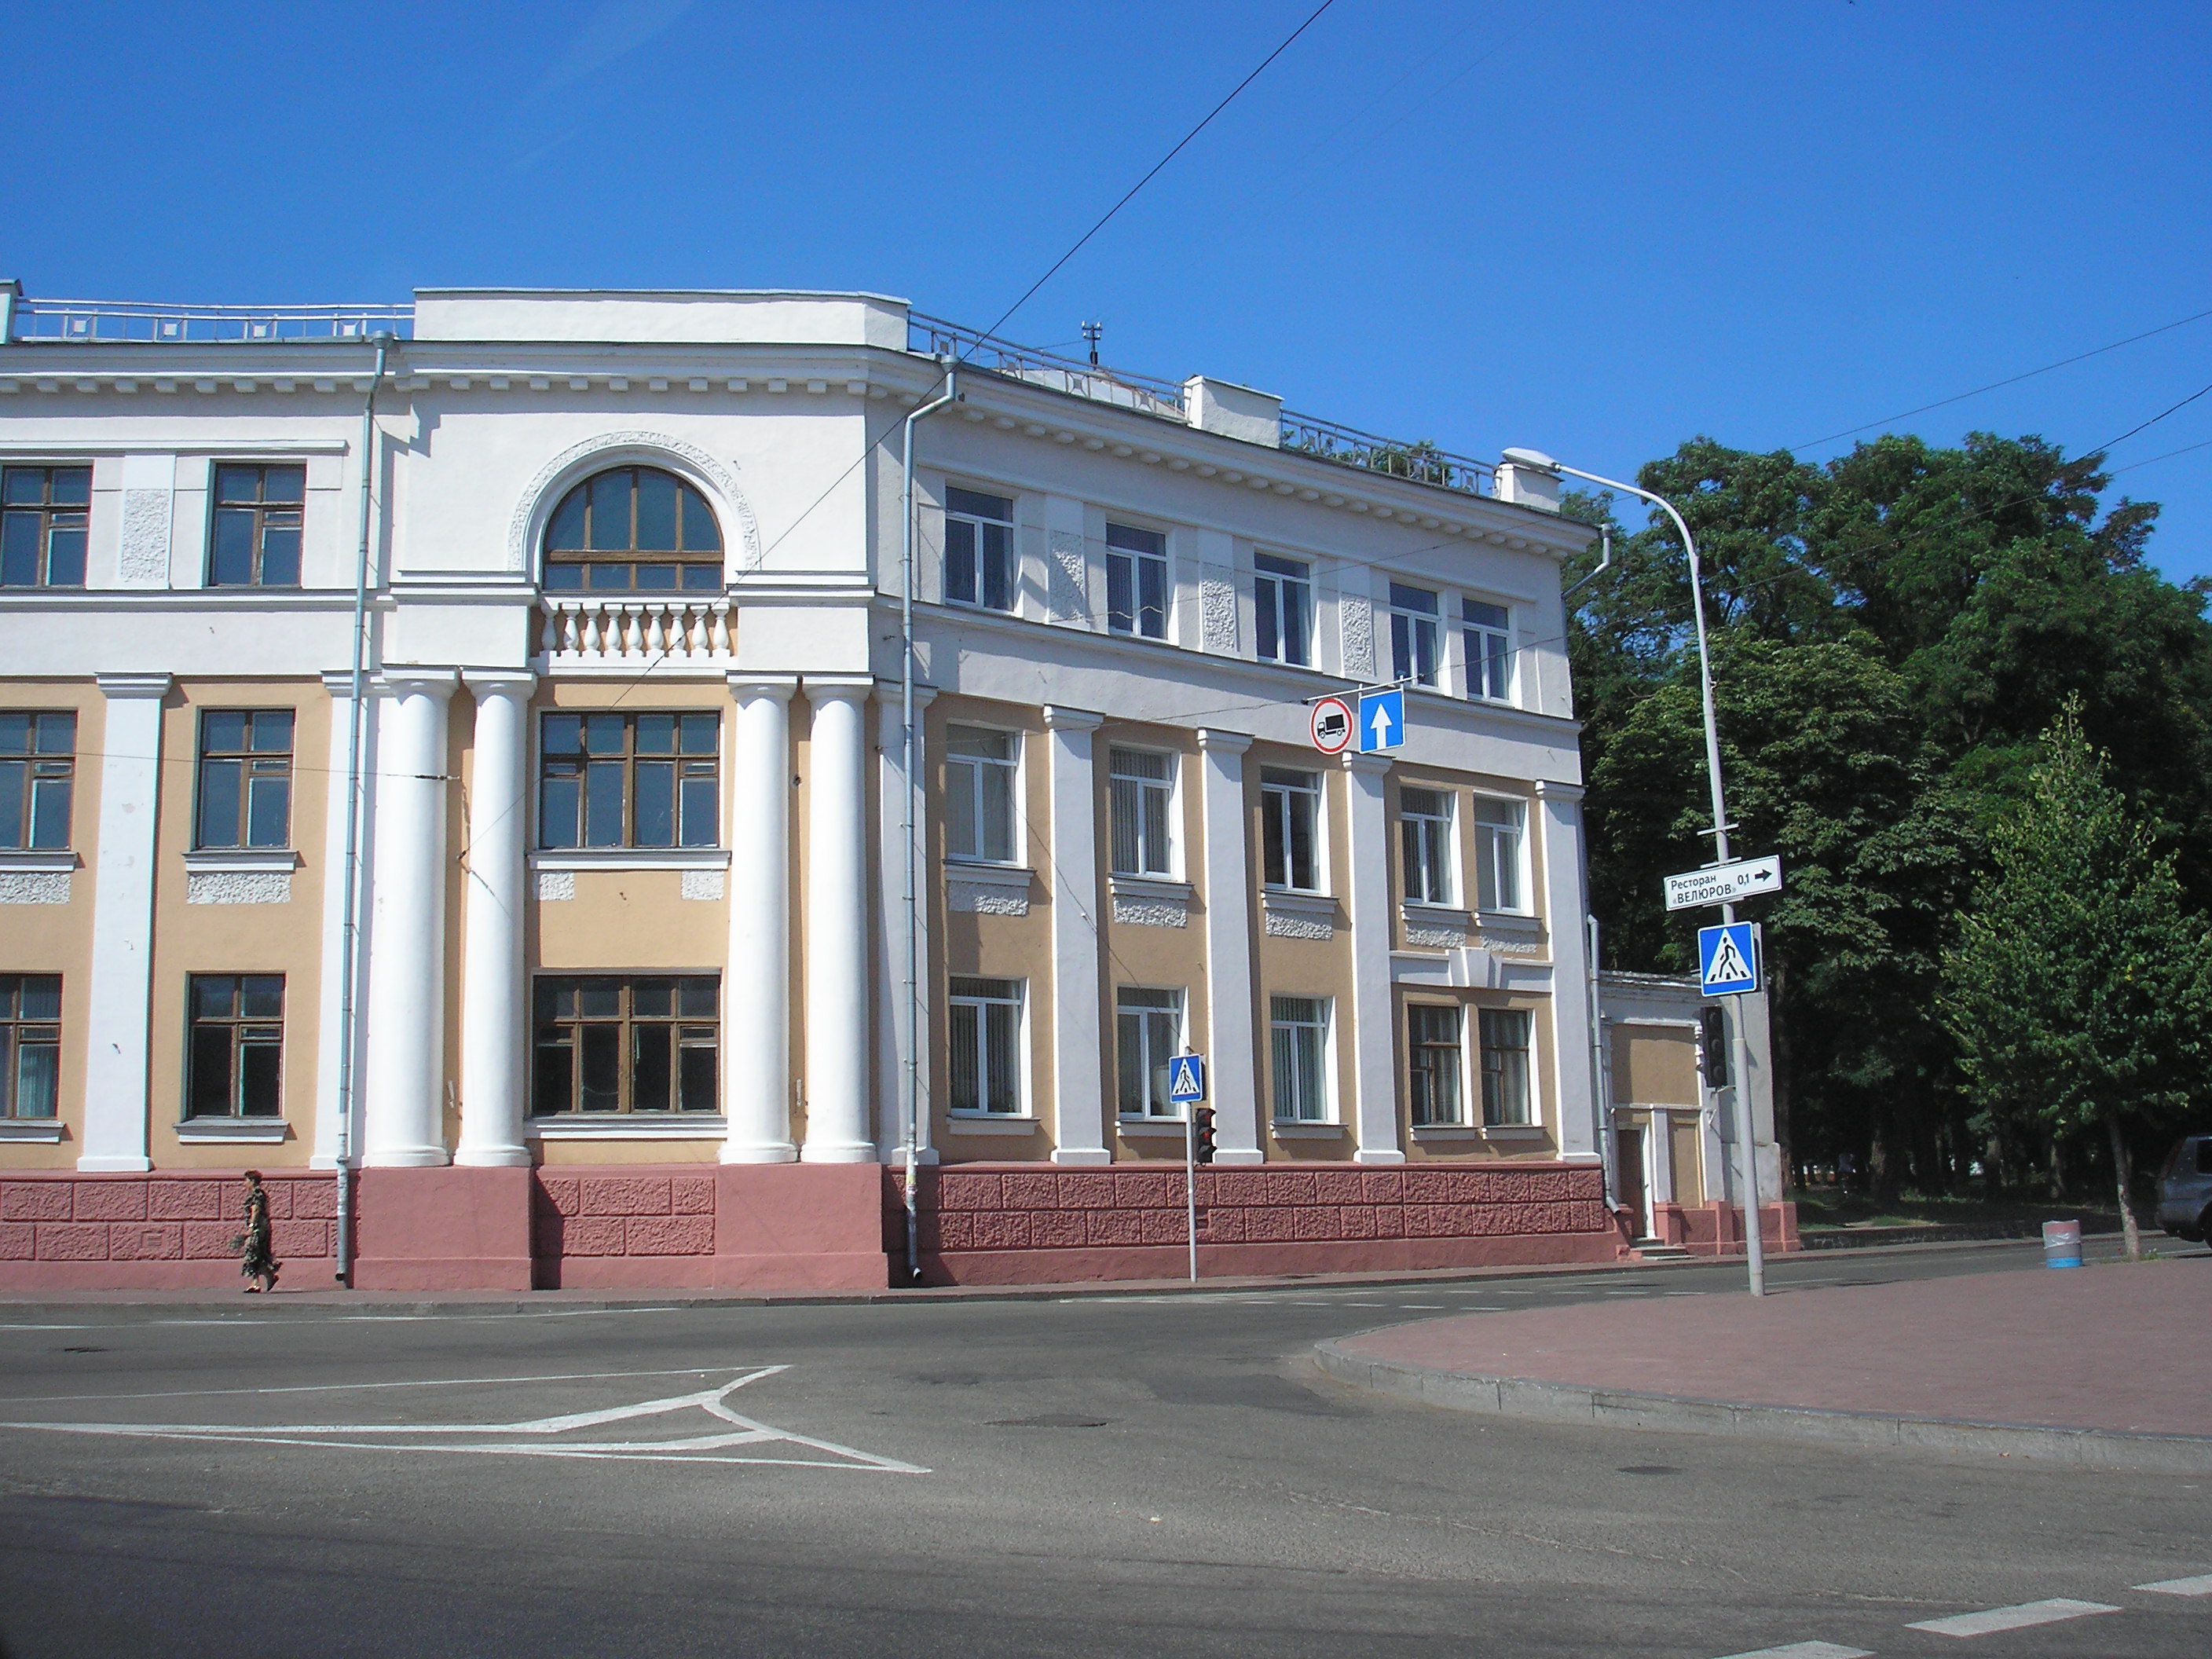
(1300, 967)
(1474, 1142)
(238, 939)
(56, 938)
(1655, 1065)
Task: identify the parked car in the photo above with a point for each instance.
(2184, 1189)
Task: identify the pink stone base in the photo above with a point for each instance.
(1067, 1267)
(63, 1230)
(1718, 1229)
(443, 1230)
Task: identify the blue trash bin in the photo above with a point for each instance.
(2062, 1243)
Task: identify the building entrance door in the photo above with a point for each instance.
(1628, 1144)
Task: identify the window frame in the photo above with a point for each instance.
(1488, 865)
(1440, 1056)
(31, 778)
(246, 1036)
(1524, 1074)
(978, 524)
(1132, 564)
(979, 768)
(1278, 829)
(685, 768)
(49, 512)
(1169, 790)
(1175, 1010)
(1475, 638)
(1322, 1029)
(587, 561)
(685, 1034)
(977, 1006)
(1275, 576)
(254, 766)
(262, 512)
(1436, 854)
(1410, 625)
(22, 1031)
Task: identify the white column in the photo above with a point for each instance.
(495, 995)
(331, 1003)
(403, 1125)
(116, 1081)
(757, 991)
(1374, 1021)
(837, 925)
(1078, 1059)
(1231, 1083)
(1567, 913)
(895, 1023)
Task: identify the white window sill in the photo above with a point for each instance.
(1513, 921)
(990, 1123)
(1150, 887)
(56, 862)
(1421, 914)
(989, 875)
(1306, 1131)
(1446, 1132)
(30, 1128)
(627, 1126)
(1515, 1131)
(631, 858)
(1153, 1126)
(241, 860)
(232, 1131)
(1296, 901)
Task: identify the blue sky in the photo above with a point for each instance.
(1591, 227)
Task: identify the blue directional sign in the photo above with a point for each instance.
(1381, 719)
(1727, 958)
(1187, 1078)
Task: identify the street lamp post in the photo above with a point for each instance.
(1747, 1154)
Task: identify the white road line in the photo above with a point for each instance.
(2020, 1618)
(1807, 1650)
(1430, 1307)
(349, 1387)
(2200, 1585)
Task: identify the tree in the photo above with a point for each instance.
(2080, 987)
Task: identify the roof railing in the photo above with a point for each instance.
(1147, 395)
(38, 321)
(1422, 462)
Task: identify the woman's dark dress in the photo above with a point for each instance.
(258, 1259)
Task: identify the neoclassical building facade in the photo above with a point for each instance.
(592, 928)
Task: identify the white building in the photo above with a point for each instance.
(632, 993)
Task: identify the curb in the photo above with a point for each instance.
(1566, 1403)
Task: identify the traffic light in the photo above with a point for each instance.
(1204, 1126)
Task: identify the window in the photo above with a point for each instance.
(1283, 609)
(235, 1066)
(1136, 581)
(1143, 787)
(38, 764)
(43, 514)
(1290, 826)
(30, 1044)
(1148, 1030)
(979, 549)
(986, 1042)
(627, 1045)
(1412, 634)
(1497, 825)
(1300, 1031)
(1432, 1053)
(246, 777)
(979, 793)
(1424, 827)
(1489, 650)
(1505, 1037)
(635, 529)
(610, 779)
(256, 527)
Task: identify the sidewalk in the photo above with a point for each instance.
(2102, 1366)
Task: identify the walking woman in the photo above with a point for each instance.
(259, 1262)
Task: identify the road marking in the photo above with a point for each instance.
(1431, 1307)
(349, 1387)
(2200, 1585)
(539, 1442)
(1807, 1650)
(2020, 1618)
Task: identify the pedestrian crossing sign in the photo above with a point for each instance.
(1727, 958)
(1187, 1078)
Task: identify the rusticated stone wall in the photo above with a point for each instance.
(649, 1214)
(98, 1231)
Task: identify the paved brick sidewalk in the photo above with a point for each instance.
(2112, 1348)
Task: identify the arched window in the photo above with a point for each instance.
(632, 529)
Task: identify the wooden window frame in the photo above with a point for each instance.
(22, 1031)
(695, 777)
(52, 516)
(257, 767)
(260, 513)
(242, 1036)
(562, 1022)
(35, 775)
(594, 568)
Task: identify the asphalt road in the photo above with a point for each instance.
(1102, 1475)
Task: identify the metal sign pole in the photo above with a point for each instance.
(1746, 1154)
(1190, 1180)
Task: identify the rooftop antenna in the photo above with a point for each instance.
(1090, 332)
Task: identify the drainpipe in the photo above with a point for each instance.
(1601, 1088)
(910, 896)
(348, 970)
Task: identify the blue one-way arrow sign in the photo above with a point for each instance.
(1187, 1078)
(1382, 721)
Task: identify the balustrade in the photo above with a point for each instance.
(680, 628)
